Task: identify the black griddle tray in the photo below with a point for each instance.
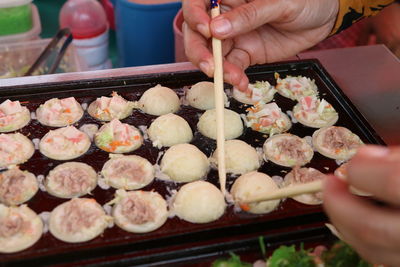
(115, 241)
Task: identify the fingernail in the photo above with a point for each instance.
(205, 67)
(222, 26)
(375, 151)
(204, 30)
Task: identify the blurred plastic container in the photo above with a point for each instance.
(16, 58)
(32, 34)
(15, 16)
(109, 9)
(180, 55)
(89, 26)
(144, 31)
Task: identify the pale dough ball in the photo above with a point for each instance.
(13, 116)
(159, 100)
(233, 124)
(240, 157)
(59, 112)
(254, 184)
(128, 172)
(17, 186)
(201, 96)
(185, 163)
(336, 142)
(288, 150)
(71, 179)
(20, 228)
(168, 130)
(78, 220)
(64, 143)
(199, 202)
(15, 148)
(140, 211)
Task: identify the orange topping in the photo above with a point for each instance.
(67, 110)
(136, 137)
(338, 150)
(115, 144)
(245, 206)
(256, 126)
(49, 140)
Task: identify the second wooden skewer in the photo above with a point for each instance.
(290, 191)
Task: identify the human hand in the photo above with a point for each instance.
(386, 27)
(373, 230)
(254, 32)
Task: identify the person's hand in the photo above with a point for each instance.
(386, 27)
(254, 32)
(373, 230)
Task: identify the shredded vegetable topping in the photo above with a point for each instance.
(267, 118)
(296, 87)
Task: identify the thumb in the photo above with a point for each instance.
(246, 17)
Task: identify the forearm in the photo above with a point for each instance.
(351, 11)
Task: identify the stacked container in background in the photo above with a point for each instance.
(19, 21)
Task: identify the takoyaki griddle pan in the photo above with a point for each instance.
(115, 241)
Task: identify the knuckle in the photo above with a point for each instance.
(248, 13)
(291, 7)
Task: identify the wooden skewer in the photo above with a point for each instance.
(295, 190)
(219, 101)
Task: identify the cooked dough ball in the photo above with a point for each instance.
(64, 143)
(128, 172)
(267, 118)
(78, 220)
(260, 91)
(305, 175)
(159, 100)
(17, 187)
(59, 112)
(71, 179)
(288, 150)
(315, 113)
(199, 202)
(251, 185)
(201, 96)
(233, 124)
(295, 87)
(13, 116)
(108, 108)
(168, 130)
(139, 211)
(15, 149)
(20, 228)
(184, 163)
(117, 137)
(336, 142)
(240, 157)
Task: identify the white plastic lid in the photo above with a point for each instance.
(13, 3)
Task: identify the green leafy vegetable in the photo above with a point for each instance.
(342, 255)
(288, 256)
(105, 138)
(233, 261)
(262, 246)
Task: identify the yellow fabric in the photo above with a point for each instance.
(351, 11)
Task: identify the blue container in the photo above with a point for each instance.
(145, 33)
